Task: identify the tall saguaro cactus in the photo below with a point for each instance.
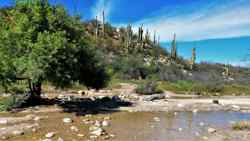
(193, 59)
(140, 34)
(154, 38)
(174, 48)
(147, 36)
(96, 27)
(103, 23)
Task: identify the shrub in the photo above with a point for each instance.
(13, 101)
(148, 88)
(243, 125)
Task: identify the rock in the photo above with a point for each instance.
(153, 97)
(205, 138)
(80, 135)
(74, 129)
(98, 132)
(97, 123)
(175, 113)
(50, 135)
(4, 137)
(195, 111)
(107, 118)
(180, 129)
(236, 107)
(81, 92)
(3, 121)
(67, 120)
(47, 140)
(157, 119)
(17, 132)
(60, 139)
(112, 135)
(215, 101)
(37, 119)
(105, 123)
(211, 130)
(180, 105)
(201, 124)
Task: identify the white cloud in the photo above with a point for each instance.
(229, 19)
(98, 8)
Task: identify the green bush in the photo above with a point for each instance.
(148, 88)
(8, 103)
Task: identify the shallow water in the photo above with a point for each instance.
(142, 126)
(180, 127)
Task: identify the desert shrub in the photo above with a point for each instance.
(243, 125)
(13, 101)
(148, 88)
(170, 73)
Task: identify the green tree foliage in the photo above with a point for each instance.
(42, 42)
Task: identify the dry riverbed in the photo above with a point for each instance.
(158, 118)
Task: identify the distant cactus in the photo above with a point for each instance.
(193, 59)
(96, 27)
(154, 38)
(174, 48)
(147, 36)
(103, 23)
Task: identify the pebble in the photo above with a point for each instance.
(60, 139)
(80, 135)
(74, 129)
(105, 123)
(211, 130)
(3, 121)
(50, 135)
(67, 120)
(17, 132)
(157, 119)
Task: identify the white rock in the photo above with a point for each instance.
(236, 107)
(195, 110)
(60, 139)
(205, 138)
(97, 132)
(37, 119)
(50, 135)
(202, 124)
(157, 119)
(105, 123)
(180, 129)
(67, 120)
(211, 130)
(3, 121)
(175, 113)
(98, 123)
(47, 140)
(180, 105)
(17, 132)
(74, 129)
(80, 135)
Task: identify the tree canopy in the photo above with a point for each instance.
(42, 42)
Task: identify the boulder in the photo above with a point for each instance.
(67, 120)
(154, 97)
(50, 135)
(211, 130)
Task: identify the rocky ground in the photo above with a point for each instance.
(118, 121)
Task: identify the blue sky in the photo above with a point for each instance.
(226, 23)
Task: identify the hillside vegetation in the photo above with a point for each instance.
(43, 43)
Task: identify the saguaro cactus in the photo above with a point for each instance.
(147, 36)
(174, 48)
(129, 34)
(193, 59)
(96, 27)
(140, 34)
(103, 23)
(154, 38)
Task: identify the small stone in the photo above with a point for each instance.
(50, 135)
(98, 123)
(34, 130)
(17, 132)
(202, 124)
(3, 121)
(97, 132)
(37, 119)
(180, 129)
(60, 139)
(205, 138)
(47, 140)
(80, 135)
(74, 129)
(157, 119)
(112, 135)
(215, 101)
(195, 111)
(67, 120)
(211, 130)
(105, 123)
(180, 105)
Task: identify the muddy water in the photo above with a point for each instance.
(140, 126)
(178, 127)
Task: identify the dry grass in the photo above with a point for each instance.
(242, 125)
